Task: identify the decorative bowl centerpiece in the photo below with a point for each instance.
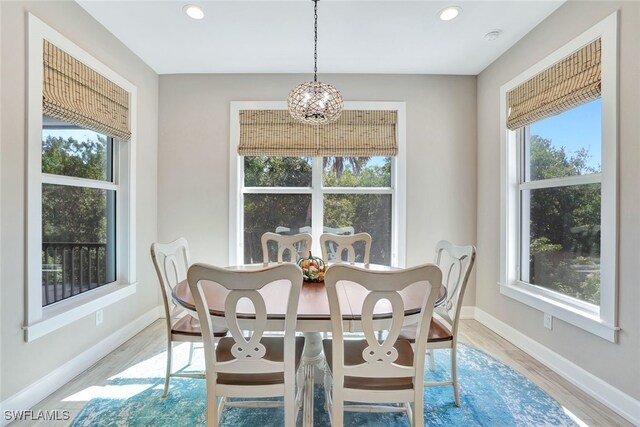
(312, 268)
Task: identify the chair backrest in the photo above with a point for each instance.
(333, 247)
(297, 246)
(379, 357)
(342, 231)
(456, 263)
(247, 352)
(171, 261)
(286, 230)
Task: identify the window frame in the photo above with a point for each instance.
(40, 320)
(600, 320)
(317, 190)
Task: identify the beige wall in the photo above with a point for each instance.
(616, 364)
(23, 363)
(193, 154)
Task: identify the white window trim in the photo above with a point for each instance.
(39, 320)
(601, 321)
(398, 180)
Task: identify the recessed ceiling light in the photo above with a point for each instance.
(193, 11)
(493, 35)
(450, 13)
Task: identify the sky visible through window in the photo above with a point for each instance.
(580, 127)
(77, 134)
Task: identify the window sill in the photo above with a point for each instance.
(587, 320)
(66, 312)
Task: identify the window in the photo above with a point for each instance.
(80, 184)
(78, 211)
(558, 251)
(560, 199)
(317, 194)
(355, 196)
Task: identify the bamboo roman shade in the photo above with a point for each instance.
(573, 81)
(78, 95)
(359, 133)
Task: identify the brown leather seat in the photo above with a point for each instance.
(353, 356)
(437, 332)
(274, 352)
(189, 325)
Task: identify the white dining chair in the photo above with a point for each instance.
(369, 370)
(248, 364)
(296, 246)
(342, 231)
(286, 230)
(456, 263)
(171, 261)
(334, 246)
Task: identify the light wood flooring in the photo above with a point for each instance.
(151, 341)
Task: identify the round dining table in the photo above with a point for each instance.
(313, 316)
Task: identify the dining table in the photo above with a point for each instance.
(313, 315)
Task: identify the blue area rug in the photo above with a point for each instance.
(491, 394)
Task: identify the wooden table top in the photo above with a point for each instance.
(313, 303)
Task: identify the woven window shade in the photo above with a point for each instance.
(571, 82)
(355, 133)
(274, 133)
(78, 95)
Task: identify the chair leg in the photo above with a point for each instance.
(168, 374)
(418, 408)
(290, 407)
(337, 410)
(454, 375)
(212, 405)
(409, 413)
(432, 360)
(190, 353)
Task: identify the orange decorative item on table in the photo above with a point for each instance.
(312, 268)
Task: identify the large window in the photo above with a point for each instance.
(560, 198)
(355, 183)
(559, 180)
(355, 196)
(78, 211)
(80, 184)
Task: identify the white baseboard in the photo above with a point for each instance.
(618, 401)
(34, 393)
(467, 312)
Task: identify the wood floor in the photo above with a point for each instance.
(151, 341)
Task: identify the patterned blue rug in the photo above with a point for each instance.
(491, 394)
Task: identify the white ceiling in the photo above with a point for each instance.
(356, 36)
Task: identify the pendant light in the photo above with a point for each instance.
(315, 103)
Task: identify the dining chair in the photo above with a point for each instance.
(334, 246)
(297, 246)
(456, 263)
(288, 231)
(342, 231)
(370, 370)
(171, 261)
(248, 364)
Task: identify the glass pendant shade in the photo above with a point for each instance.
(315, 103)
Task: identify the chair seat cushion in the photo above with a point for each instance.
(274, 347)
(353, 356)
(437, 332)
(189, 325)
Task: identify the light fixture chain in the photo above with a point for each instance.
(315, 41)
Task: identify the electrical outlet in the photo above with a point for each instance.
(99, 317)
(548, 321)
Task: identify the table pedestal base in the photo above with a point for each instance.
(311, 357)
